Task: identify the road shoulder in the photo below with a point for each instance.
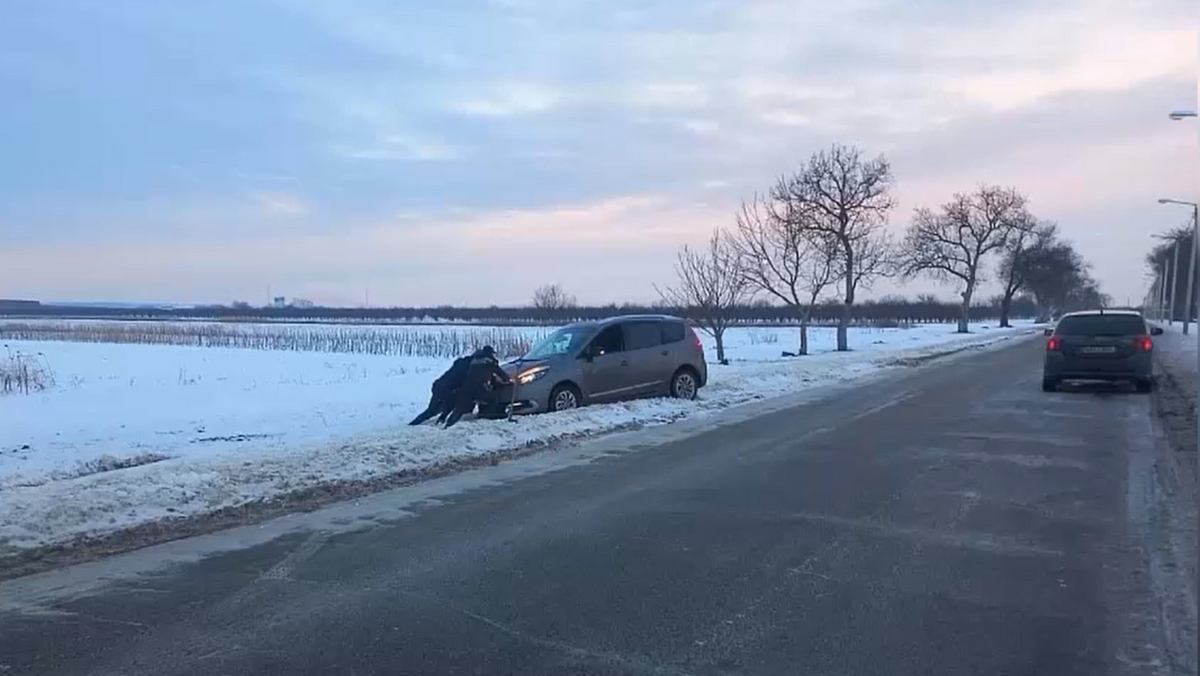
(1172, 546)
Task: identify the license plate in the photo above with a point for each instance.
(1098, 350)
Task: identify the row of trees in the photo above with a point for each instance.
(885, 311)
(821, 232)
(1168, 265)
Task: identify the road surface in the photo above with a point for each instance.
(952, 520)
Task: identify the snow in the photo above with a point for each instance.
(136, 433)
(1178, 352)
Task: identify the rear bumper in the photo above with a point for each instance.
(1062, 367)
(1092, 375)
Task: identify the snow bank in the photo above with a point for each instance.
(134, 434)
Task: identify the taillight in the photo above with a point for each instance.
(1143, 343)
(696, 339)
(1054, 344)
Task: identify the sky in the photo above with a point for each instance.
(407, 152)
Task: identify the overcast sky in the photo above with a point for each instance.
(464, 151)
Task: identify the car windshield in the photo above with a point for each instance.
(561, 342)
(1102, 325)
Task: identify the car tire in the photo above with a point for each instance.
(1145, 386)
(685, 384)
(564, 397)
(1049, 385)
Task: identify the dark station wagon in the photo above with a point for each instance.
(1105, 345)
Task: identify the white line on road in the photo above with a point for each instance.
(883, 407)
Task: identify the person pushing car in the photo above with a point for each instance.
(483, 374)
(442, 395)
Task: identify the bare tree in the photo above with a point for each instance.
(1162, 259)
(953, 243)
(876, 257)
(709, 287)
(1054, 274)
(841, 195)
(552, 297)
(1014, 267)
(785, 259)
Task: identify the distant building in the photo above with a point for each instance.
(279, 301)
(301, 303)
(12, 304)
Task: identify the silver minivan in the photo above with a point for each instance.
(609, 360)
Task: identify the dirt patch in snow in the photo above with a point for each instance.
(921, 360)
(105, 463)
(233, 438)
(1175, 407)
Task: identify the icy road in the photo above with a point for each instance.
(949, 520)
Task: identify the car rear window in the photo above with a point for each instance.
(673, 332)
(1102, 325)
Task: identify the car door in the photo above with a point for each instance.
(606, 366)
(649, 359)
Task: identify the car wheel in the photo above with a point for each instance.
(564, 398)
(685, 384)
(1049, 385)
(1145, 386)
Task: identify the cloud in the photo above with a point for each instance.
(702, 127)
(280, 204)
(510, 99)
(262, 177)
(681, 95)
(786, 118)
(401, 147)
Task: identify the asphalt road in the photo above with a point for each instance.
(954, 520)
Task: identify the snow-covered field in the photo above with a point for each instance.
(136, 433)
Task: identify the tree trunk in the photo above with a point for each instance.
(964, 320)
(843, 342)
(719, 337)
(1005, 310)
(803, 338)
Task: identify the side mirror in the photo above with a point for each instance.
(1156, 331)
(1048, 332)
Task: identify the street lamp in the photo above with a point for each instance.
(1181, 114)
(1187, 308)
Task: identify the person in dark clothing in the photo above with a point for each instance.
(496, 402)
(442, 396)
(484, 373)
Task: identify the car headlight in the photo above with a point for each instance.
(526, 377)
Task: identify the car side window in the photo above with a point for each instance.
(673, 332)
(642, 335)
(608, 341)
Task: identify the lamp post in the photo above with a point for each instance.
(1191, 280)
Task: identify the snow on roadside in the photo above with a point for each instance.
(221, 428)
(1177, 354)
